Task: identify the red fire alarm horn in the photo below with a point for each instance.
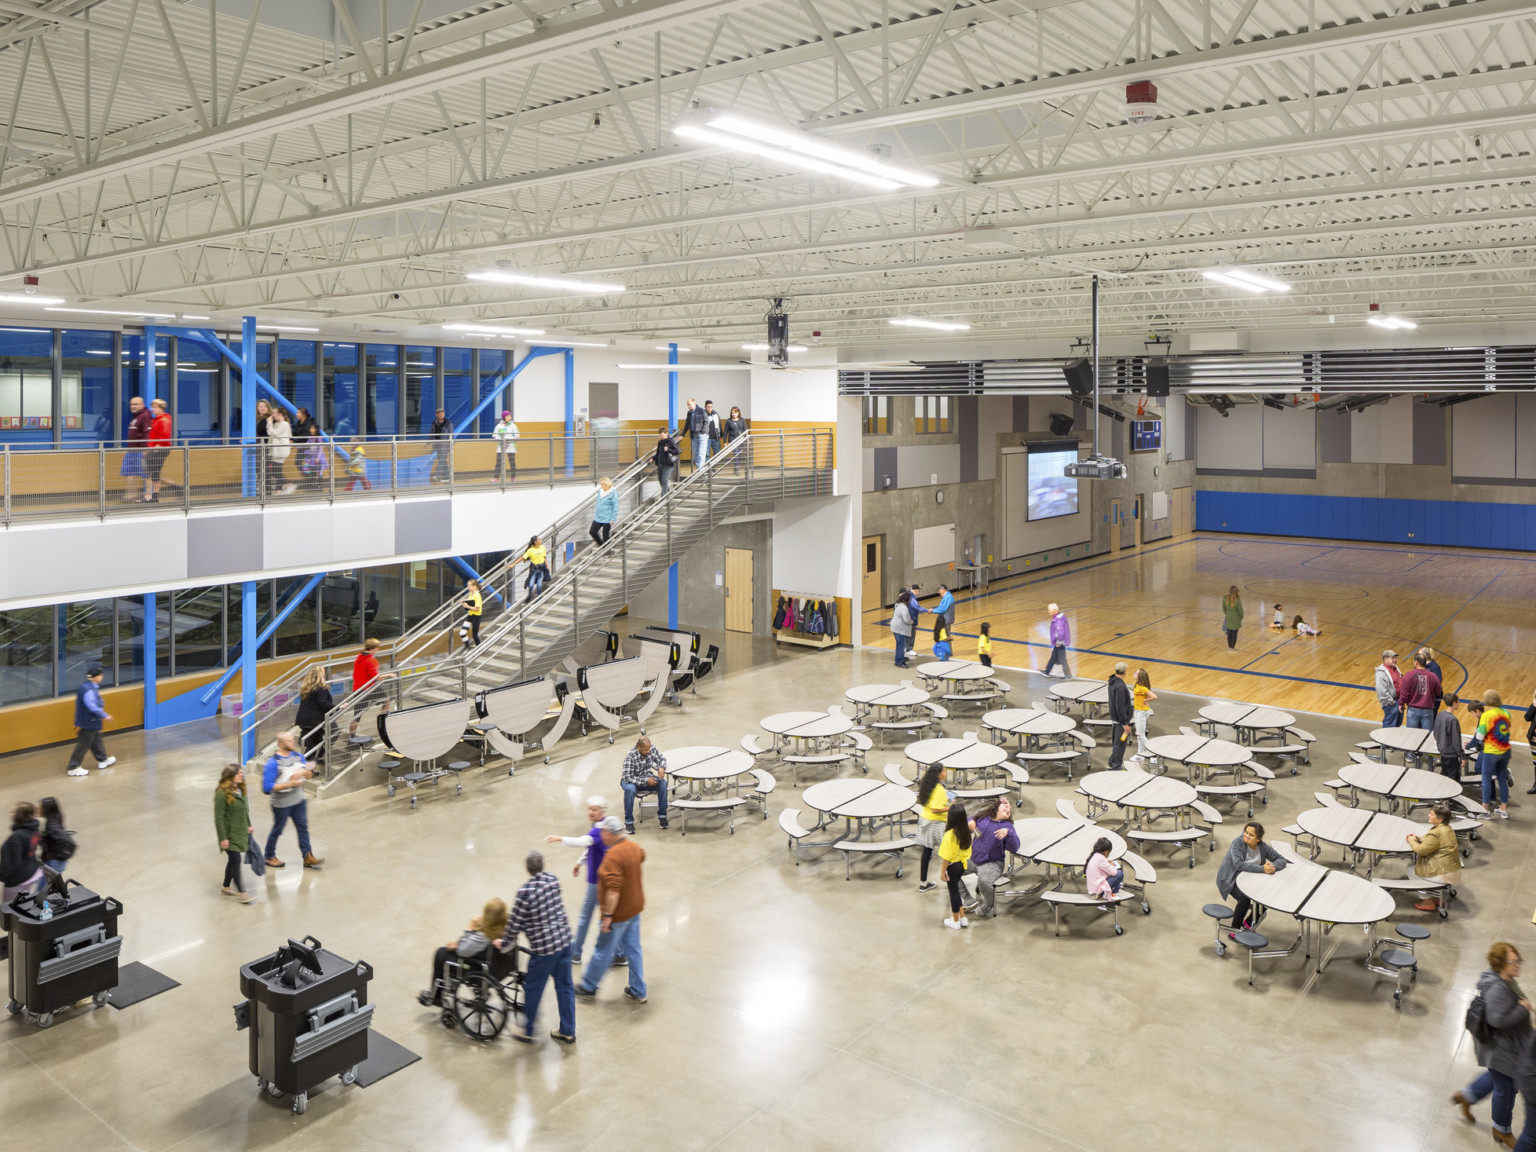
(1141, 102)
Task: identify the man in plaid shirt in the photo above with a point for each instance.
(539, 913)
(645, 770)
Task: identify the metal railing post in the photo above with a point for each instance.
(815, 464)
(394, 466)
(709, 495)
(624, 568)
(7, 483)
(330, 471)
(549, 444)
(101, 480)
(449, 463)
(783, 477)
(522, 647)
(575, 611)
(186, 477)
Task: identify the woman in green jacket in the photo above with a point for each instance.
(232, 825)
(1232, 615)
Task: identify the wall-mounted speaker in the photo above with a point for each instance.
(1079, 374)
(1061, 424)
(1157, 377)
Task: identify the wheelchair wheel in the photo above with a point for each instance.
(481, 1007)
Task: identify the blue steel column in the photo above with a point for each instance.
(147, 647)
(570, 411)
(248, 621)
(672, 424)
(149, 381)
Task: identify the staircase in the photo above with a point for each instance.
(529, 639)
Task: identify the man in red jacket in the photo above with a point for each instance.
(159, 449)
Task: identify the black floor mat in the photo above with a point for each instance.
(137, 982)
(385, 1058)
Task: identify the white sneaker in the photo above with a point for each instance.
(964, 923)
(948, 923)
(1503, 814)
(108, 762)
(82, 770)
(1135, 760)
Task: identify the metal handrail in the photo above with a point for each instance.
(407, 646)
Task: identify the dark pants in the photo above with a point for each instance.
(1241, 911)
(232, 869)
(1058, 656)
(664, 477)
(1120, 739)
(474, 628)
(1231, 637)
(599, 533)
(440, 960)
(1116, 880)
(555, 966)
(952, 879)
(299, 814)
(1527, 1141)
(87, 739)
(1451, 766)
(902, 642)
(986, 661)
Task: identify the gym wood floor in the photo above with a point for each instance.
(1160, 606)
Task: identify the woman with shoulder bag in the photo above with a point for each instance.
(1508, 1015)
(315, 704)
(232, 825)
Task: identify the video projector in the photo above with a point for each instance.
(1095, 468)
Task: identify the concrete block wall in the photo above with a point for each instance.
(701, 602)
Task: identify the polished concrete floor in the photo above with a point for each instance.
(788, 1009)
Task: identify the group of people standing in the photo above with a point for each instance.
(37, 840)
(904, 616)
(706, 433)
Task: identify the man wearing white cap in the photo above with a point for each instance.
(597, 808)
(621, 894)
(506, 457)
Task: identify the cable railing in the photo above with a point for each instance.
(116, 478)
(531, 638)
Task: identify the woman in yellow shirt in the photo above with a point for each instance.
(474, 604)
(933, 801)
(538, 566)
(1141, 711)
(955, 855)
(984, 645)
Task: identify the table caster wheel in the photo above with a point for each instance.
(45, 1020)
(13, 1006)
(1119, 930)
(546, 760)
(458, 789)
(391, 789)
(274, 1091)
(610, 738)
(1466, 853)
(898, 871)
(1475, 834)
(1221, 949)
(1443, 912)
(101, 998)
(1397, 998)
(642, 731)
(1146, 909)
(300, 1102)
(1191, 860)
(350, 1075)
(1264, 799)
(413, 803)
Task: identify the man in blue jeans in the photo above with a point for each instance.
(1387, 682)
(592, 860)
(645, 771)
(1419, 694)
(283, 780)
(622, 895)
(538, 913)
(696, 426)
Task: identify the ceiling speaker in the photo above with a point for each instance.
(1157, 377)
(1079, 374)
(1061, 424)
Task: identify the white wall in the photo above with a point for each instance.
(1290, 438)
(1483, 437)
(814, 546)
(804, 394)
(46, 563)
(539, 391)
(1176, 428)
(1234, 441)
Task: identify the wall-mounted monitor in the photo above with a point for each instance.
(1051, 491)
(1146, 435)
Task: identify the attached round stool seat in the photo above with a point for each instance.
(359, 741)
(1217, 911)
(1397, 958)
(389, 765)
(458, 765)
(1255, 940)
(1411, 931)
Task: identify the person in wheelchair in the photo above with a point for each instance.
(473, 944)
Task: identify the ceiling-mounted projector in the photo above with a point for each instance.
(1095, 468)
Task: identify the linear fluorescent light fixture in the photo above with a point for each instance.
(571, 343)
(924, 322)
(684, 367)
(1257, 279)
(1233, 282)
(668, 348)
(283, 328)
(110, 312)
(1390, 322)
(802, 150)
(764, 348)
(492, 330)
(26, 298)
(554, 283)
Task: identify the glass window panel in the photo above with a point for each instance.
(130, 638)
(341, 391)
(421, 590)
(296, 372)
(135, 381)
(87, 631)
(381, 602)
(263, 366)
(458, 387)
(199, 628)
(493, 365)
(263, 617)
(420, 389)
(26, 654)
(87, 387)
(382, 398)
(198, 394)
(296, 635)
(26, 386)
(341, 610)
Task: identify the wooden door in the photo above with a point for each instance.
(1114, 525)
(1183, 511)
(738, 590)
(874, 581)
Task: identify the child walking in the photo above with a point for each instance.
(941, 646)
(954, 855)
(984, 645)
(357, 468)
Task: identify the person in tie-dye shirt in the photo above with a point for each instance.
(1493, 729)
